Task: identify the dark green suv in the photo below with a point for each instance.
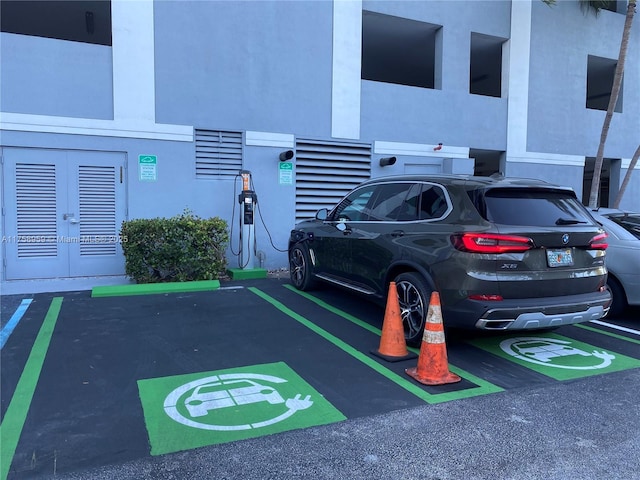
(504, 253)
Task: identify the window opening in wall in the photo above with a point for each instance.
(600, 73)
(401, 51)
(487, 162)
(326, 171)
(218, 154)
(615, 6)
(76, 20)
(485, 65)
(609, 180)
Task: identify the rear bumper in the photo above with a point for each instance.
(530, 313)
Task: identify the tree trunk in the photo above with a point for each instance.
(615, 90)
(627, 177)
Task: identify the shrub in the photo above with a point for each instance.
(177, 249)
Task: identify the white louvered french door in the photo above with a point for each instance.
(62, 213)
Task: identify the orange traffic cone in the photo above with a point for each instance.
(433, 368)
(393, 346)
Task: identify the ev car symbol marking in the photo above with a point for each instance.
(542, 351)
(230, 390)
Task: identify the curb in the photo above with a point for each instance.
(154, 288)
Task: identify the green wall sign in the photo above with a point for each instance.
(147, 168)
(285, 173)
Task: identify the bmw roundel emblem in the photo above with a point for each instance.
(565, 238)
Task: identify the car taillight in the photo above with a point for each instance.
(486, 298)
(599, 242)
(491, 243)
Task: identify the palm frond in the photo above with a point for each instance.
(593, 6)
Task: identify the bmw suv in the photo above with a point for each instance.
(503, 253)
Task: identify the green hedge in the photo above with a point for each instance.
(177, 249)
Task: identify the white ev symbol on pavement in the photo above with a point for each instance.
(230, 390)
(542, 351)
(209, 396)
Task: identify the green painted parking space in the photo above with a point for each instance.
(556, 356)
(189, 411)
(430, 395)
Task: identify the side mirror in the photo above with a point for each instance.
(322, 214)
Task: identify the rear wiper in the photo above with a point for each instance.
(568, 221)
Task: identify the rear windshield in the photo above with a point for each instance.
(541, 208)
(630, 222)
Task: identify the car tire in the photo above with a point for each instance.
(414, 296)
(300, 271)
(618, 298)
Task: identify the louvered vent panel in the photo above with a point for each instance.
(36, 210)
(98, 229)
(326, 171)
(218, 154)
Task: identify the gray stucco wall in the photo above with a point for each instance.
(418, 115)
(482, 16)
(44, 76)
(267, 66)
(562, 38)
(176, 187)
(450, 115)
(262, 65)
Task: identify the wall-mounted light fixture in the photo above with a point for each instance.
(286, 155)
(386, 161)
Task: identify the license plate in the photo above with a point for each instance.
(560, 258)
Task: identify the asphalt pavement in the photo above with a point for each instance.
(255, 380)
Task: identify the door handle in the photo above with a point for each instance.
(397, 233)
(343, 228)
(71, 217)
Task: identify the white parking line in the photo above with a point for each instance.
(616, 327)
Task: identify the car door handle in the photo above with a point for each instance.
(397, 233)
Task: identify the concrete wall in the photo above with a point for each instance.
(431, 116)
(562, 38)
(271, 66)
(261, 65)
(45, 76)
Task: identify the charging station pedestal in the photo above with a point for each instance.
(248, 199)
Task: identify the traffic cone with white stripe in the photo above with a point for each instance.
(433, 367)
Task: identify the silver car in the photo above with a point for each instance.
(623, 256)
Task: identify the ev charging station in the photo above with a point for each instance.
(248, 250)
(248, 245)
(248, 199)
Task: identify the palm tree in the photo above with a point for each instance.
(627, 177)
(615, 90)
